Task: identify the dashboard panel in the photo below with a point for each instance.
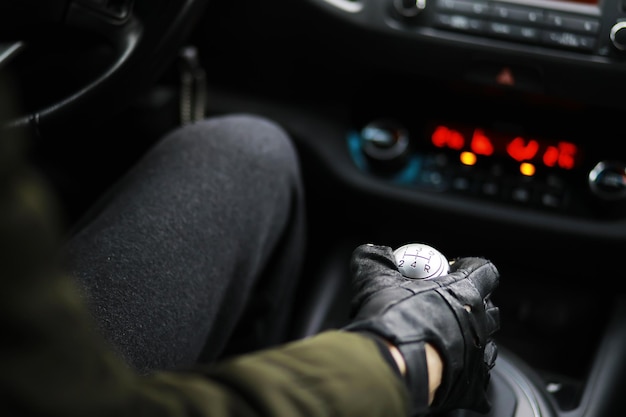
(590, 31)
(515, 102)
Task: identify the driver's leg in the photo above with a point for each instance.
(208, 224)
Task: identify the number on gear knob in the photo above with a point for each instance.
(420, 261)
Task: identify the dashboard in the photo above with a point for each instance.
(567, 56)
(590, 31)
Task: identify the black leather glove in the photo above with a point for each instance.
(410, 313)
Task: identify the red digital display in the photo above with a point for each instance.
(485, 143)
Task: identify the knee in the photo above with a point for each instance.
(248, 140)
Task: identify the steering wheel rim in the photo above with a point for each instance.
(144, 35)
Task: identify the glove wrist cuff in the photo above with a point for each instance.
(384, 350)
(414, 353)
(416, 377)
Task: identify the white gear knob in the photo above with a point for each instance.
(420, 261)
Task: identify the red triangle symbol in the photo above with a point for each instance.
(505, 77)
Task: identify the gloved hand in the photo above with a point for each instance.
(454, 313)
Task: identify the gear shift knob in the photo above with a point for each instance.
(420, 261)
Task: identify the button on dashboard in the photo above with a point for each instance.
(570, 40)
(518, 14)
(475, 8)
(459, 22)
(514, 31)
(575, 24)
(519, 23)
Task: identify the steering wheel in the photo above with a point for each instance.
(76, 61)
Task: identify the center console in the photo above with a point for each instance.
(567, 57)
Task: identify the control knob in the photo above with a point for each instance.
(608, 180)
(408, 9)
(618, 35)
(385, 145)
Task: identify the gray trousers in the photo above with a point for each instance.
(196, 252)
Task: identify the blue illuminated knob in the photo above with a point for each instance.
(420, 261)
(385, 145)
(608, 180)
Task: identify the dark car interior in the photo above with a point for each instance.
(490, 128)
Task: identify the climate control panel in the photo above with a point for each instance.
(502, 166)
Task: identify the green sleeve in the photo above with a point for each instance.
(52, 362)
(332, 374)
